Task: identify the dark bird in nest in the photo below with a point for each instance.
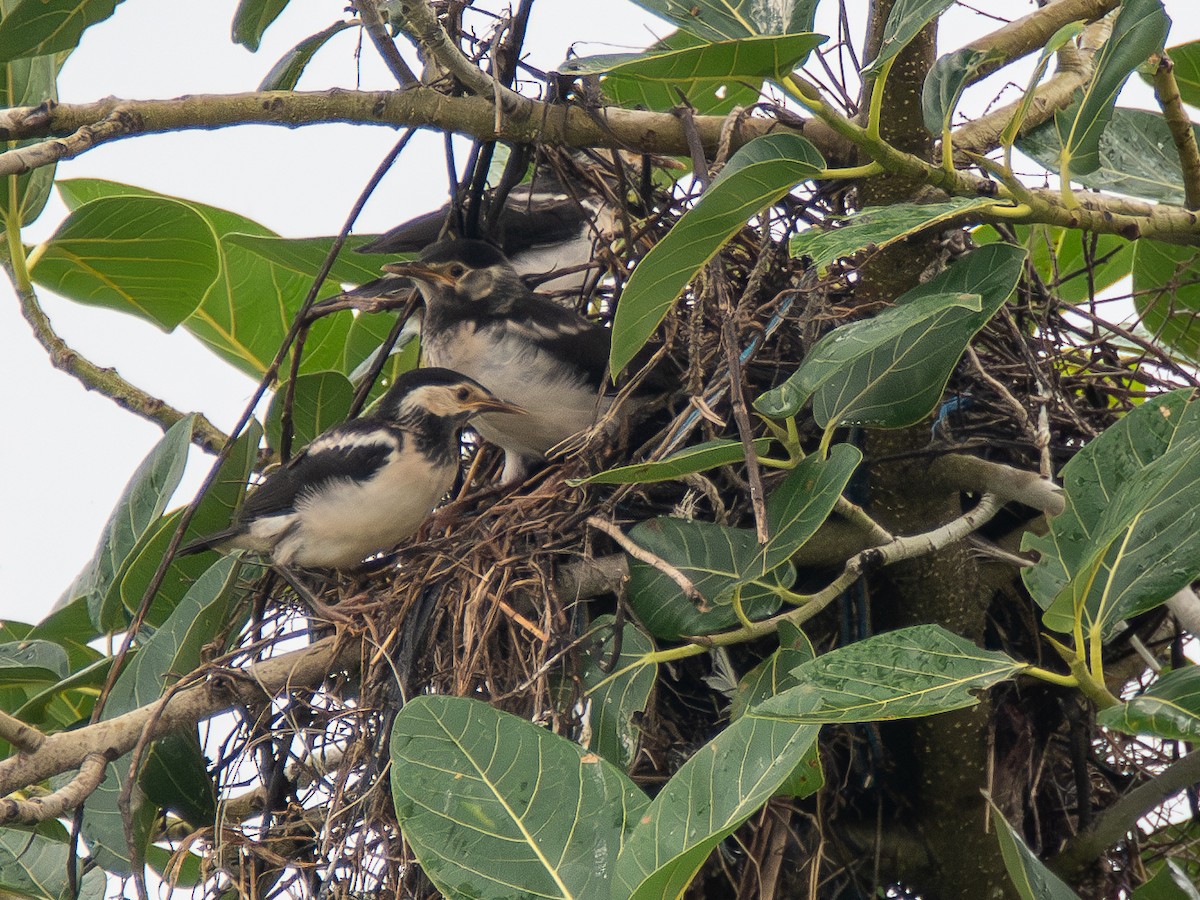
(362, 487)
(481, 319)
(547, 232)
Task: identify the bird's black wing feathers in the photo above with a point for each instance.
(411, 236)
(565, 334)
(355, 450)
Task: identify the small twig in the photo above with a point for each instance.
(381, 357)
(24, 737)
(643, 555)
(1166, 89)
(372, 21)
(421, 24)
(53, 806)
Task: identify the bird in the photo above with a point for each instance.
(543, 228)
(363, 486)
(481, 320)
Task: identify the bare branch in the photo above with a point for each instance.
(372, 19)
(643, 555)
(961, 472)
(223, 690)
(68, 797)
(1166, 89)
(24, 737)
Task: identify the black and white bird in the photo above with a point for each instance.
(362, 487)
(543, 228)
(481, 320)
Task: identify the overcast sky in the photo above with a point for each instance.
(67, 453)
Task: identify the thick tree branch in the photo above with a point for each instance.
(68, 797)
(24, 737)
(1031, 33)
(222, 690)
(1182, 133)
(108, 382)
(1122, 817)
(970, 473)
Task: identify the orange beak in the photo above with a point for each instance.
(500, 406)
(419, 272)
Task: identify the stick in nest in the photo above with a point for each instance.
(643, 555)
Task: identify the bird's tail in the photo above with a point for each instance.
(218, 540)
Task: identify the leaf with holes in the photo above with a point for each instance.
(493, 805)
(756, 176)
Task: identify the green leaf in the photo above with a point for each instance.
(322, 400)
(252, 18)
(904, 23)
(716, 20)
(1093, 477)
(152, 258)
(713, 793)
(32, 865)
(1145, 544)
(656, 79)
(1166, 293)
(759, 174)
(140, 505)
(245, 312)
(701, 457)
(495, 806)
(1057, 41)
(1057, 254)
(40, 27)
(723, 562)
(891, 370)
(68, 702)
(1186, 59)
(1169, 883)
(32, 662)
(878, 227)
(1028, 873)
(173, 650)
(917, 671)
(285, 73)
(304, 256)
(1137, 156)
(620, 694)
(69, 626)
(945, 84)
(1138, 32)
(1169, 708)
(774, 676)
(175, 777)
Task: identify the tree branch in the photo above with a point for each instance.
(108, 382)
(1166, 89)
(223, 690)
(1122, 817)
(958, 471)
(372, 19)
(68, 797)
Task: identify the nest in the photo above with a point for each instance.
(478, 607)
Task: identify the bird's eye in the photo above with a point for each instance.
(462, 394)
(457, 271)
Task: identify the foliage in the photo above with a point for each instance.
(533, 700)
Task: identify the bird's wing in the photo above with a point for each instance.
(355, 450)
(541, 219)
(563, 334)
(411, 236)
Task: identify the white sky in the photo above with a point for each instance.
(67, 453)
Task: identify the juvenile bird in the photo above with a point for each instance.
(481, 320)
(365, 485)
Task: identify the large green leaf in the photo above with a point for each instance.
(322, 400)
(140, 505)
(713, 793)
(724, 563)
(1138, 32)
(40, 27)
(774, 676)
(33, 865)
(244, 314)
(699, 458)
(879, 226)
(175, 777)
(31, 665)
(1029, 874)
(917, 671)
(1166, 293)
(904, 23)
(494, 806)
(287, 71)
(69, 626)
(251, 19)
(1126, 540)
(171, 651)
(945, 84)
(68, 702)
(758, 174)
(716, 20)
(153, 258)
(893, 373)
(1169, 708)
(304, 256)
(706, 72)
(1057, 41)
(1058, 255)
(1169, 883)
(1137, 156)
(617, 689)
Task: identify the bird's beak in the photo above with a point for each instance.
(418, 272)
(493, 405)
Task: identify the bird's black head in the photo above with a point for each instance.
(435, 393)
(473, 272)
